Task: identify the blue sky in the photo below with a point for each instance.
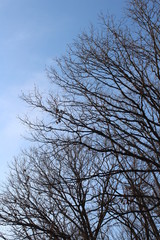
(32, 33)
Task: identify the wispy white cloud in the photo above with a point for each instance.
(11, 129)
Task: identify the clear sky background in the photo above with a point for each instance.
(32, 33)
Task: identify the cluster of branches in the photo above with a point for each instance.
(95, 172)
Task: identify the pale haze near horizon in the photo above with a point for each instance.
(32, 33)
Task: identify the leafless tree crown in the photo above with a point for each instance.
(95, 172)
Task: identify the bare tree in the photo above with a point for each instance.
(53, 197)
(109, 106)
(111, 90)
